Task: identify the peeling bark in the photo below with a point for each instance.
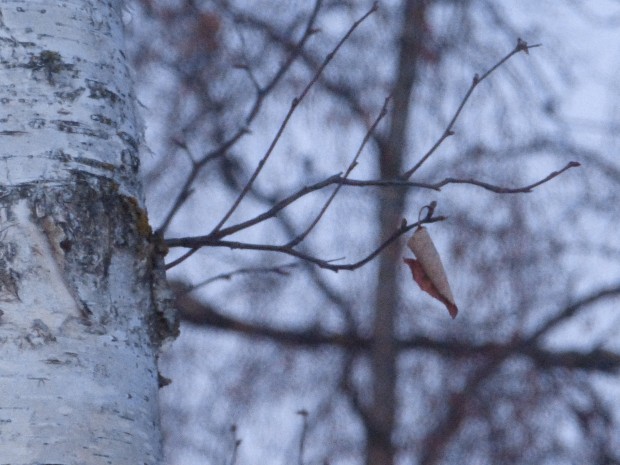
(80, 279)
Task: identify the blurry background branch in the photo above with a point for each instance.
(384, 378)
(198, 313)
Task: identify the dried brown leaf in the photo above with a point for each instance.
(428, 271)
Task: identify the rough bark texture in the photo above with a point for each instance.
(79, 277)
(379, 449)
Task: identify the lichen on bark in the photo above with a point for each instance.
(83, 297)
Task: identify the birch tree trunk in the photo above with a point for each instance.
(80, 322)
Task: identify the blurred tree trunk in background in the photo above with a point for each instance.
(380, 423)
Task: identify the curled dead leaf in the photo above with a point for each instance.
(428, 271)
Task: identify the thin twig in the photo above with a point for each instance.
(277, 207)
(200, 241)
(339, 179)
(438, 185)
(280, 269)
(182, 258)
(340, 303)
(570, 310)
(197, 166)
(521, 46)
(223, 148)
(294, 104)
(212, 241)
(297, 49)
(338, 89)
(350, 168)
(236, 444)
(302, 437)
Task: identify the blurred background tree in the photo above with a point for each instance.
(528, 371)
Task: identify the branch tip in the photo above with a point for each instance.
(522, 46)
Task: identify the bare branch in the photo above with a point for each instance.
(236, 444)
(347, 385)
(438, 185)
(573, 308)
(598, 360)
(350, 168)
(302, 437)
(261, 93)
(280, 269)
(182, 258)
(437, 438)
(294, 104)
(343, 305)
(214, 241)
(339, 179)
(521, 46)
(507, 190)
(340, 90)
(273, 211)
(194, 243)
(197, 312)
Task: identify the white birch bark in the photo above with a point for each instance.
(79, 327)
